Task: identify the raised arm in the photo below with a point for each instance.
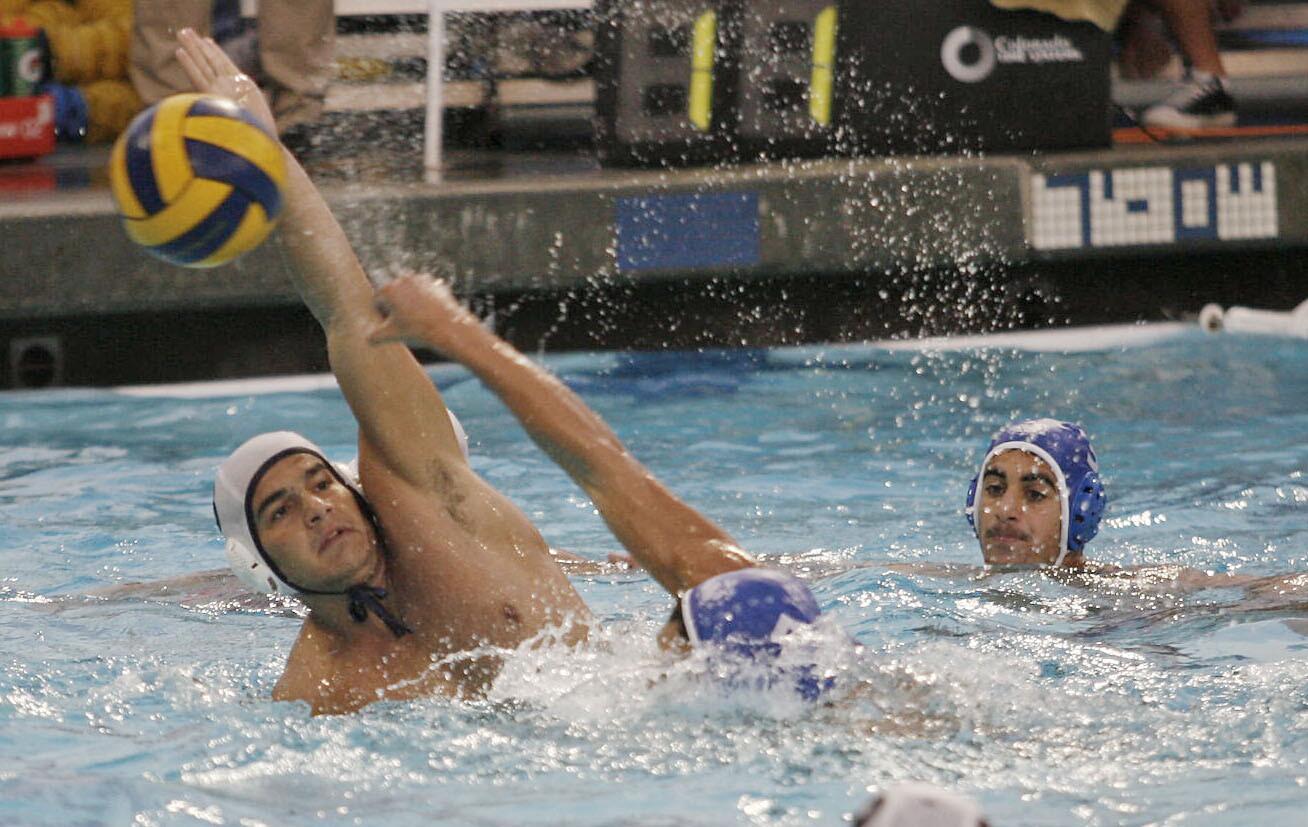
(400, 413)
(677, 545)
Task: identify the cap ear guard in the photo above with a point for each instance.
(459, 434)
(970, 511)
(253, 572)
(1086, 510)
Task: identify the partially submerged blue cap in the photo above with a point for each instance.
(1065, 448)
(748, 613)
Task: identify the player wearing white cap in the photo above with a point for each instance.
(416, 570)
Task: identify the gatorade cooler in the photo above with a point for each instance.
(22, 59)
(27, 127)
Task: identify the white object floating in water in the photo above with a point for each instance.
(1238, 319)
(920, 805)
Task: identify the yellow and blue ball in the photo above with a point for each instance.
(197, 179)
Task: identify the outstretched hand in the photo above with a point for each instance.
(421, 311)
(211, 71)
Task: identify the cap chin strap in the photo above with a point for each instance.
(364, 599)
(255, 573)
(1064, 496)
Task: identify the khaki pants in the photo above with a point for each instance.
(297, 42)
(1103, 13)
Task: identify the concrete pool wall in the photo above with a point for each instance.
(757, 254)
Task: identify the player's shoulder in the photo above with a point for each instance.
(307, 665)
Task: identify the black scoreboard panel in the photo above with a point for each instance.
(664, 80)
(702, 81)
(785, 101)
(949, 75)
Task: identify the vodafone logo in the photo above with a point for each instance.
(968, 54)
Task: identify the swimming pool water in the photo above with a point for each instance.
(1050, 700)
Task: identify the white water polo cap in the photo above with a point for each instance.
(1065, 448)
(232, 488)
(920, 805)
(234, 482)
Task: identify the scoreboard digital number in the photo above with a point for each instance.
(686, 81)
(787, 76)
(704, 47)
(821, 87)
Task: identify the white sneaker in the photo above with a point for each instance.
(1202, 102)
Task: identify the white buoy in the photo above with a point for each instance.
(1238, 319)
(916, 804)
(1210, 318)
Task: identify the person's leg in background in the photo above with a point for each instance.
(297, 46)
(1204, 100)
(153, 67)
(1191, 24)
(1146, 47)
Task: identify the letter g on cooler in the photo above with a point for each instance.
(952, 54)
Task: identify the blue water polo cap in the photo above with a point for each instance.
(1065, 448)
(748, 613)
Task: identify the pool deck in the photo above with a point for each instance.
(809, 250)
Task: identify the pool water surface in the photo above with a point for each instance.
(1049, 699)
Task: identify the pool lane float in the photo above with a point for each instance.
(1238, 319)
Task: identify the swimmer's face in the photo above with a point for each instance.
(1019, 516)
(310, 523)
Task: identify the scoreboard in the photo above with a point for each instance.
(705, 81)
(785, 92)
(665, 80)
